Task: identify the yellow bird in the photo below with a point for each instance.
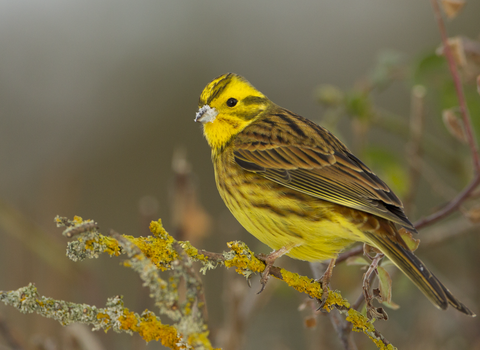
(298, 189)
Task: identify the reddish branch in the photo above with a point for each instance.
(455, 203)
(458, 86)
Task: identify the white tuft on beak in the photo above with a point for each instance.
(206, 114)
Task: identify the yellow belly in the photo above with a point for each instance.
(282, 217)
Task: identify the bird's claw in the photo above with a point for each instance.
(325, 290)
(325, 282)
(269, 260)
(265, 274)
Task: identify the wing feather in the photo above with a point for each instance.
(311, 160)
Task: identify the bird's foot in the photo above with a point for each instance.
(325, 282)
(269, 260)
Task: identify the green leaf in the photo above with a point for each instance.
(412, 243)
(385, 284)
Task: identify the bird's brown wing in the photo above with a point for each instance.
(301, 155)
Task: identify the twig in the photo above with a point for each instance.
(195, 282)
(361, 298)
(218, 257)
(462, 196)
(372, 311)
(458, 87)
(453, 205)
(436, 183)
(241, 303)
(352, 252)
(148, 255)
(343, 330)
(342, 327)
(447, 231)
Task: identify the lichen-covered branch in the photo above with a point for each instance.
(113, 316)
(148, 256)
(161, 252)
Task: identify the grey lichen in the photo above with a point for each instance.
(27, 300)
(87, 234)
(185, 314)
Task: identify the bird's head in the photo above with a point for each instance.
(227, 105)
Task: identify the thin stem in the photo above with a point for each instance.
(352, 252)
(462, 196)
(343, 331)
(458, 87)
(453, 205)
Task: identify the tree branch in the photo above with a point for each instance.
(160, 251)
(455, 203)
(458, 87)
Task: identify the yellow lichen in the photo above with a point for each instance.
(244, 259)
(77, 220)
(128, 320)
(104, 317)
(150, 328)
(381, 345)
(335, 299)
(156, 228)
(159, 250)
(202, 339)
(312, 288)
(112, 246)
(192, 252)
(302, 284)
(360, 322)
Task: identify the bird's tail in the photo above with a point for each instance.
(417, 272)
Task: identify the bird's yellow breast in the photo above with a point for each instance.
(281, 217)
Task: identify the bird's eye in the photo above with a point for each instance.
(231, 102)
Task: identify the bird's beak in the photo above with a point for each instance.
(206, 114)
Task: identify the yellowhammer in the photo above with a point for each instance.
(298, 189)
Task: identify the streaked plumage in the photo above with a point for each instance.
(291, 183)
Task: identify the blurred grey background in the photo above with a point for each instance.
(95, 96)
